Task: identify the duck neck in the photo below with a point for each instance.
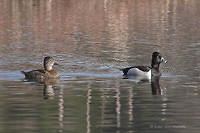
(155, 66)
(47, 67)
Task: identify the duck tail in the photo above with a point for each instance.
(123, 70)
(23, 72)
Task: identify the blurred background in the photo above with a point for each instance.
(92, 40)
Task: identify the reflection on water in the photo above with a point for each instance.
(48, 91)
(155, 85)
(92, 42)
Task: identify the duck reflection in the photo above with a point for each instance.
(155, 85)
(48, 86)
(49, 93)
(49, 89)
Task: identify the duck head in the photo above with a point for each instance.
(48, 63)
(156, 60)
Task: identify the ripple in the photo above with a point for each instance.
(10, 76)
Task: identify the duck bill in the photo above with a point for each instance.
(163, 60)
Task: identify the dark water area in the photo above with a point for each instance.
(92, 41)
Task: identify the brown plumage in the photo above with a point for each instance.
(42, 74)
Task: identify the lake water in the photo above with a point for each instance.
(92, 40)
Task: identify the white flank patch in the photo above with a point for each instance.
(135, 72)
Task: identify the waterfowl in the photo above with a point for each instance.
(145, 72)
(43, 74)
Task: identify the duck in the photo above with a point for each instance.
(43, 74)
(145, 72)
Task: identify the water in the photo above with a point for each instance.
(92, 41)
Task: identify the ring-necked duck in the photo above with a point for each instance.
(41, 74)
(145, 72)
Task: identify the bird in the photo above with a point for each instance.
(43, 74)
(145, 72)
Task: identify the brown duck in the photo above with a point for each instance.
(43, 74)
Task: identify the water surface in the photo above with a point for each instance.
(92, 41)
